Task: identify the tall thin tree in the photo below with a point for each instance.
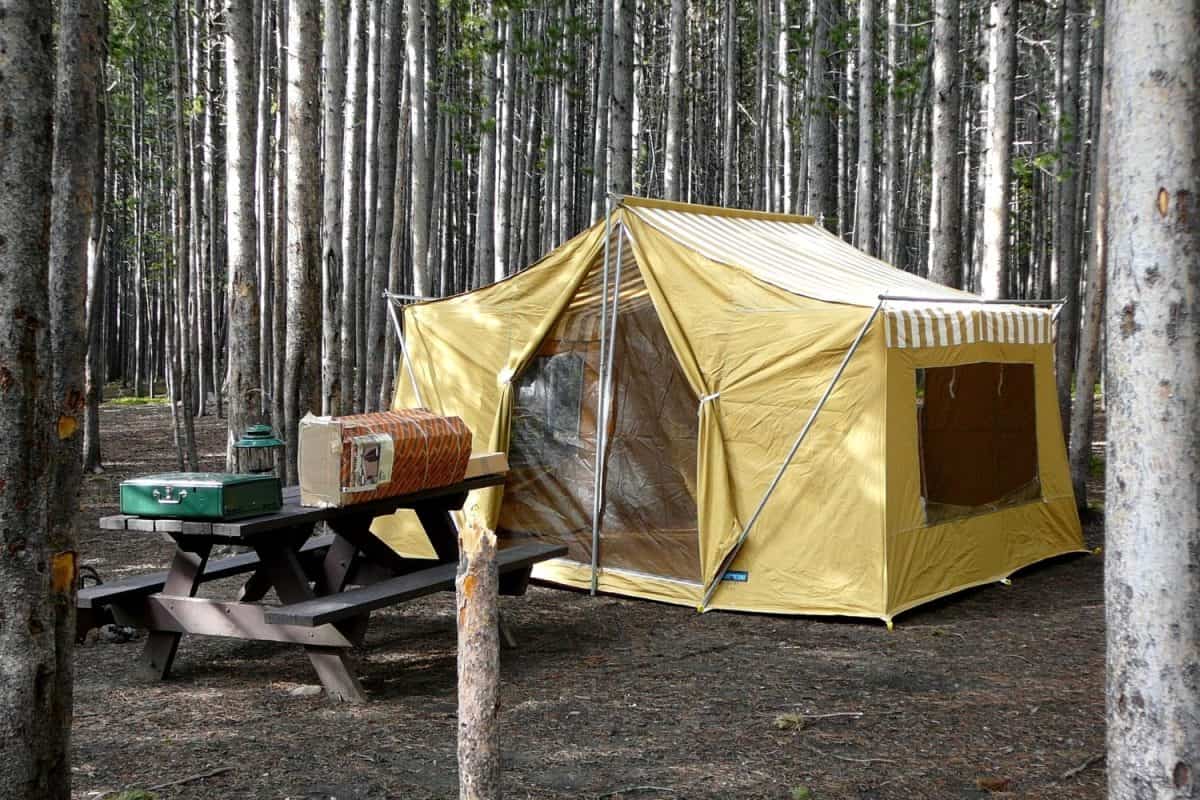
(864, 191)
(945, 250)
(333, 63)
(1152, 514)
(997, 191)
(243, 378)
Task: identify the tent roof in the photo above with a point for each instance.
(790, 252)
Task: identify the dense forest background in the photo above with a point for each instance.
(270, 168)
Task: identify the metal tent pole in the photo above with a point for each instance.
(412, 376)
(596, 487)
(737, 546)
(972, 300)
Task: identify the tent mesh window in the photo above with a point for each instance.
(978, 439)
(648, 522)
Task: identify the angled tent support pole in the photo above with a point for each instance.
(597, 484)
(388, 298)
(737, 546)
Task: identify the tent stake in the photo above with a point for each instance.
(737, 546)
(596, 487)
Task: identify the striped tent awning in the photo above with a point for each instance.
(912, 325)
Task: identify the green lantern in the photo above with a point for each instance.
(256, 450)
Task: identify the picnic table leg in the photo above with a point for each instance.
(440, 528)
(334, 571)
(183, 578)
(332, 664)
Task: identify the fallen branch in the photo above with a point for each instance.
(1073, 771)
(212, 773)
(629, 789)
(821, 752)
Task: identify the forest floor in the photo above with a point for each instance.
(606, 697)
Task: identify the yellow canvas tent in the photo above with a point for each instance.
(738, 410)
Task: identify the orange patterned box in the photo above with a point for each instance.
(356, 459)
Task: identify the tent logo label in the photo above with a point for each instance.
(736, 577)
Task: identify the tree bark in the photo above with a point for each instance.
(183, 249)
(729, 107)
(333, 59)
(485, 195)
(1066, 250)
(822, 172)
(620, 179)
(1002, 62)
(385, 176)
(889, 218)
(671, 168)
(352, 203)
(34, 587)
(945, 250)
(1087, 370)
(301, 393)
(97, 279)
(1152, 584)
(415, 64)
(600, 162)
(864, 190)
(477, 586)
(243, 380)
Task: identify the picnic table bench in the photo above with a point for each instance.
(327, 585)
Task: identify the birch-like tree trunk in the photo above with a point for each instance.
(415, 64)
(783, 114)
(354, 142)
(822, 171)
(1066, 251)
(864, 189)
(333, 96)
(671, 178)
(945, 249)
(485, 195)
(97, 280)
(33, 586)
(620, 179)
(243, 377)
(1087, 369)
(1002, 64)
(508, 143)
(477, 587)
(302, 364)
(1152, 514)
(729, 105)
(385, 176)
(600, 162)
(889, 217)
(183, 249)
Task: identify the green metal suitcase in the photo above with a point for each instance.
(201, 495)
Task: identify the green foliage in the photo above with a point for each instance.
(136, 794)
(801, 793)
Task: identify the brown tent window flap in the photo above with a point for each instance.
(977, 438)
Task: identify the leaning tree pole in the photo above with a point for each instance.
(1152, 569)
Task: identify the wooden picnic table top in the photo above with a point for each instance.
(292, 514)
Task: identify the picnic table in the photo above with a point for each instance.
(327, 585)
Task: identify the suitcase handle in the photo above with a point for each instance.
(167, 499)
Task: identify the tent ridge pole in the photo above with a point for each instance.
(737, 546)
(596, 482)
(972, 300)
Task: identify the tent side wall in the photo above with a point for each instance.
(926, 561)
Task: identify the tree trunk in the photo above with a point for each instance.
(183, 248)
(822, 172)
(385, 177)
(864, 190)
(1002, 62)
(477, 587)
(600, 162)
(671, 167)
(97, 280)
(415, 64)
(485, 197)
(889, 218)
(1066, 250)
(301, 393)
(352, 204)
(1152, 584)
(620, 179)
(729, 107)
(783, 118)
(945, 251)
(36, 579)
(508, 143)
(333, 60)
(243, 380)
(1087, 370)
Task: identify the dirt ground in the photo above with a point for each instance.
(606, 697)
